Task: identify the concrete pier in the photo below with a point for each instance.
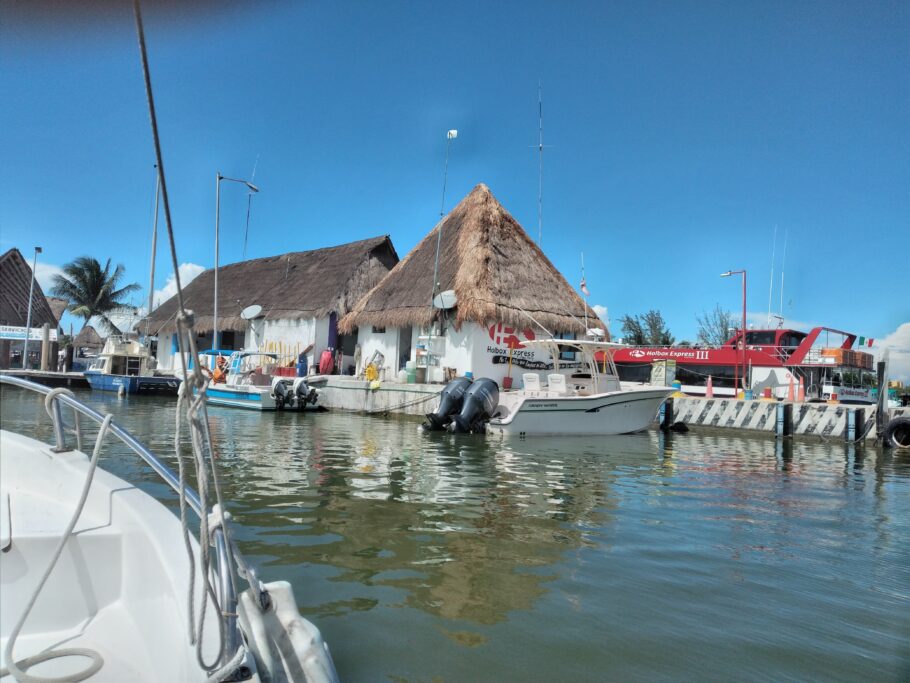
(781, 418)
(347, 393)
(50, 378)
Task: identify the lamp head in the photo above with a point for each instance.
(727, 274)
(38, 250)
(252, 187)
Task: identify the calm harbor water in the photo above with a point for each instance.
(425, 557)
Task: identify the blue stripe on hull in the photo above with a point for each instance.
(132, 384)
(236, 399)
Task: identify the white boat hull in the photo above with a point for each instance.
(616, 412)
(121, 578)
(251, 398)
(121, 584)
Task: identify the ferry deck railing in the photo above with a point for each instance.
(225, 550)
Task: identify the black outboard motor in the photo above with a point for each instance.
(280, 392)
(480, 402)
(450, 400)
(304, 393)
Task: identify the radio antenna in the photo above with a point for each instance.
(771, 279)
(782, 262)
(539, 163)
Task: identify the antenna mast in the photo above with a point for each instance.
(148, 313)
(771, 279)
(782, 262)
(539, 163)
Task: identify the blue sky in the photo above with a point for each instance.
(681, 134)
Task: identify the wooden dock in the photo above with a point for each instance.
(73, 380)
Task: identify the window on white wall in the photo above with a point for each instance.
(378, 330)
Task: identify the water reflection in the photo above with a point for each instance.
(645, 556)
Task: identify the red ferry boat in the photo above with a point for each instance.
(771, 359)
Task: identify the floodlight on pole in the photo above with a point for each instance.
(450, 135)
(742, 340)
(28, 317)
(252, 188)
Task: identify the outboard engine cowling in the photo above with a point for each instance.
(450, 400)
(480, 402)
(303, 393)
(279, 392)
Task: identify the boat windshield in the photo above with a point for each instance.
(248, 361)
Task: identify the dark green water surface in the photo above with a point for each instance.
(424, 557)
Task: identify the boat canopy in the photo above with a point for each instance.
(587, 348)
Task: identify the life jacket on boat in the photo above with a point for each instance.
(219, 374)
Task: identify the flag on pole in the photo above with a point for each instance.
(584, 287)
(862, 341)
(869, 341)
(452, 134)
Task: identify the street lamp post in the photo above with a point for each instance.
(253, 188)
(742, 340)
(28, 317)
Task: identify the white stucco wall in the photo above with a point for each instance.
(470, 349)
(287, 336)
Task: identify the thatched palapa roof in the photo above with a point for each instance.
(496, 270)
(301, 284)
(15, 282)
(88, 337)
(58, 307)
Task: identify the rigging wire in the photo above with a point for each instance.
(194, 384)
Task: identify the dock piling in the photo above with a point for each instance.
(784, 425)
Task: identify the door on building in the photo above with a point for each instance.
(404, 346)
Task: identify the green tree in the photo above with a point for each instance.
(93, 291)
(716, 327)
(647, 329)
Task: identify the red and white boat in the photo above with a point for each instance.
(824, 359)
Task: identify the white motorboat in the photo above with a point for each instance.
(100, 580)
(127, 365)
(587, 401)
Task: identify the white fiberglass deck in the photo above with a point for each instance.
(120, 586)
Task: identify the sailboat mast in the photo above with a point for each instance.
(148, 312)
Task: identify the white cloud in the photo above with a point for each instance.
(44, 274)
(897, 344)
(601, 311)
(188, 273)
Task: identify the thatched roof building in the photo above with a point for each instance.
(15, 282)
(88, 338)
(493, 266)
(58, 307)
(301, 284)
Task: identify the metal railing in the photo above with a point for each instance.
(224, 552)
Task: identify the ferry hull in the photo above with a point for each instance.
(620, 412)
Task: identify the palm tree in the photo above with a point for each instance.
(92, 290)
